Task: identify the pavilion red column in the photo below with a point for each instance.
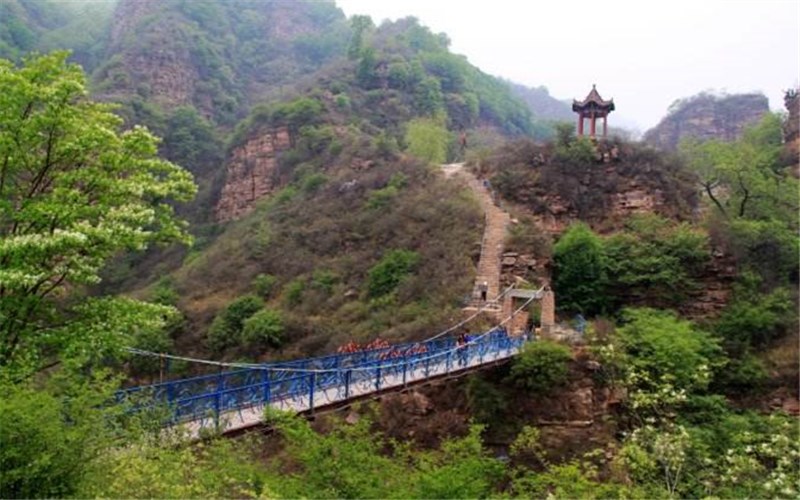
(580, 124)
(605, 125)
(592, 126)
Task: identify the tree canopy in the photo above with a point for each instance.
(74, 192)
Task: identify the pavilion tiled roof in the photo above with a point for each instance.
(593, 98)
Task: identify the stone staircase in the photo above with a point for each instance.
(496, 223)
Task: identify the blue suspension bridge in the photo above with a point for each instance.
(236, 397)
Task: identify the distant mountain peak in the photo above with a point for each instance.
(707, 116)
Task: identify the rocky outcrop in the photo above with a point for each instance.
(176, 53)
(571, 420)
(706, 116)
(153, 54)
(250, 173)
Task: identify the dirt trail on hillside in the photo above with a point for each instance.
(494, 233)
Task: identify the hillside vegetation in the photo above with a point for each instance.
(345, 183)
(47, 25)
(683, 267)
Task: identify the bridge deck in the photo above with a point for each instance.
(253, 415)
(237, 399)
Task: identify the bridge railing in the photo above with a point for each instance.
(305, 384)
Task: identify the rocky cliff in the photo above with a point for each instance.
(571, 421)
(216, 56)
(707, 116)
(616, 179)
(250, 173)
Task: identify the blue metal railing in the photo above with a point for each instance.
(303, 382)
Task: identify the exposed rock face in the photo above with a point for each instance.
(716, 287)
(153, 54)
(631, 193)
(708, 117)
(127, 15)
(175, 53)
(250, 173)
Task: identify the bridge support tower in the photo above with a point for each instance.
(548, 312)
(519, 323)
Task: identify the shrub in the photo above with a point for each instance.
(486, 401)
(313, 182)
(154, 340)
(744, 374)
(264, 328)
(388, 273)
(755, 320)
(264, 284)
(668, 350)
(47, 441)
(342, 102)
(541, 367)
(164, 292)
(655, 260)
(219, 336)
(381, 198)
(293, 292)
(427, 139)
(241, 309)
(227, 326)
(324, 280)
(579, 275)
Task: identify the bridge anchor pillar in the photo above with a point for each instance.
(548, 312)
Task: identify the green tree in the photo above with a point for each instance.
(663, 349)
(745, 179)
(579, 275)
(226, 329)
(42, 455)
(541, 367)
(360, 26)
(655, 260)
(264, 328)
(754, 319)
(297, 113)
(461, 469)
(366, 73)
(428, 97)
(74, 192)
(427, 139)
(189, 139)
(389, 272)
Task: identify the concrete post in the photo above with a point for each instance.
(605, 125)
(508, 306)
(592, 126)
(548, 311)
(517, 324)
(580, 124)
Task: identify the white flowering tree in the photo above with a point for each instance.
(74, 192)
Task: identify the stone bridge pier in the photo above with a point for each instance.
(518, 325)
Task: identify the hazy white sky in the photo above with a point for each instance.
(644, 54)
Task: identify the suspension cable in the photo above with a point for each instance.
(254, 366)
(470, 318)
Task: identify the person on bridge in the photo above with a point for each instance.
(483, 288)
(461, 346)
